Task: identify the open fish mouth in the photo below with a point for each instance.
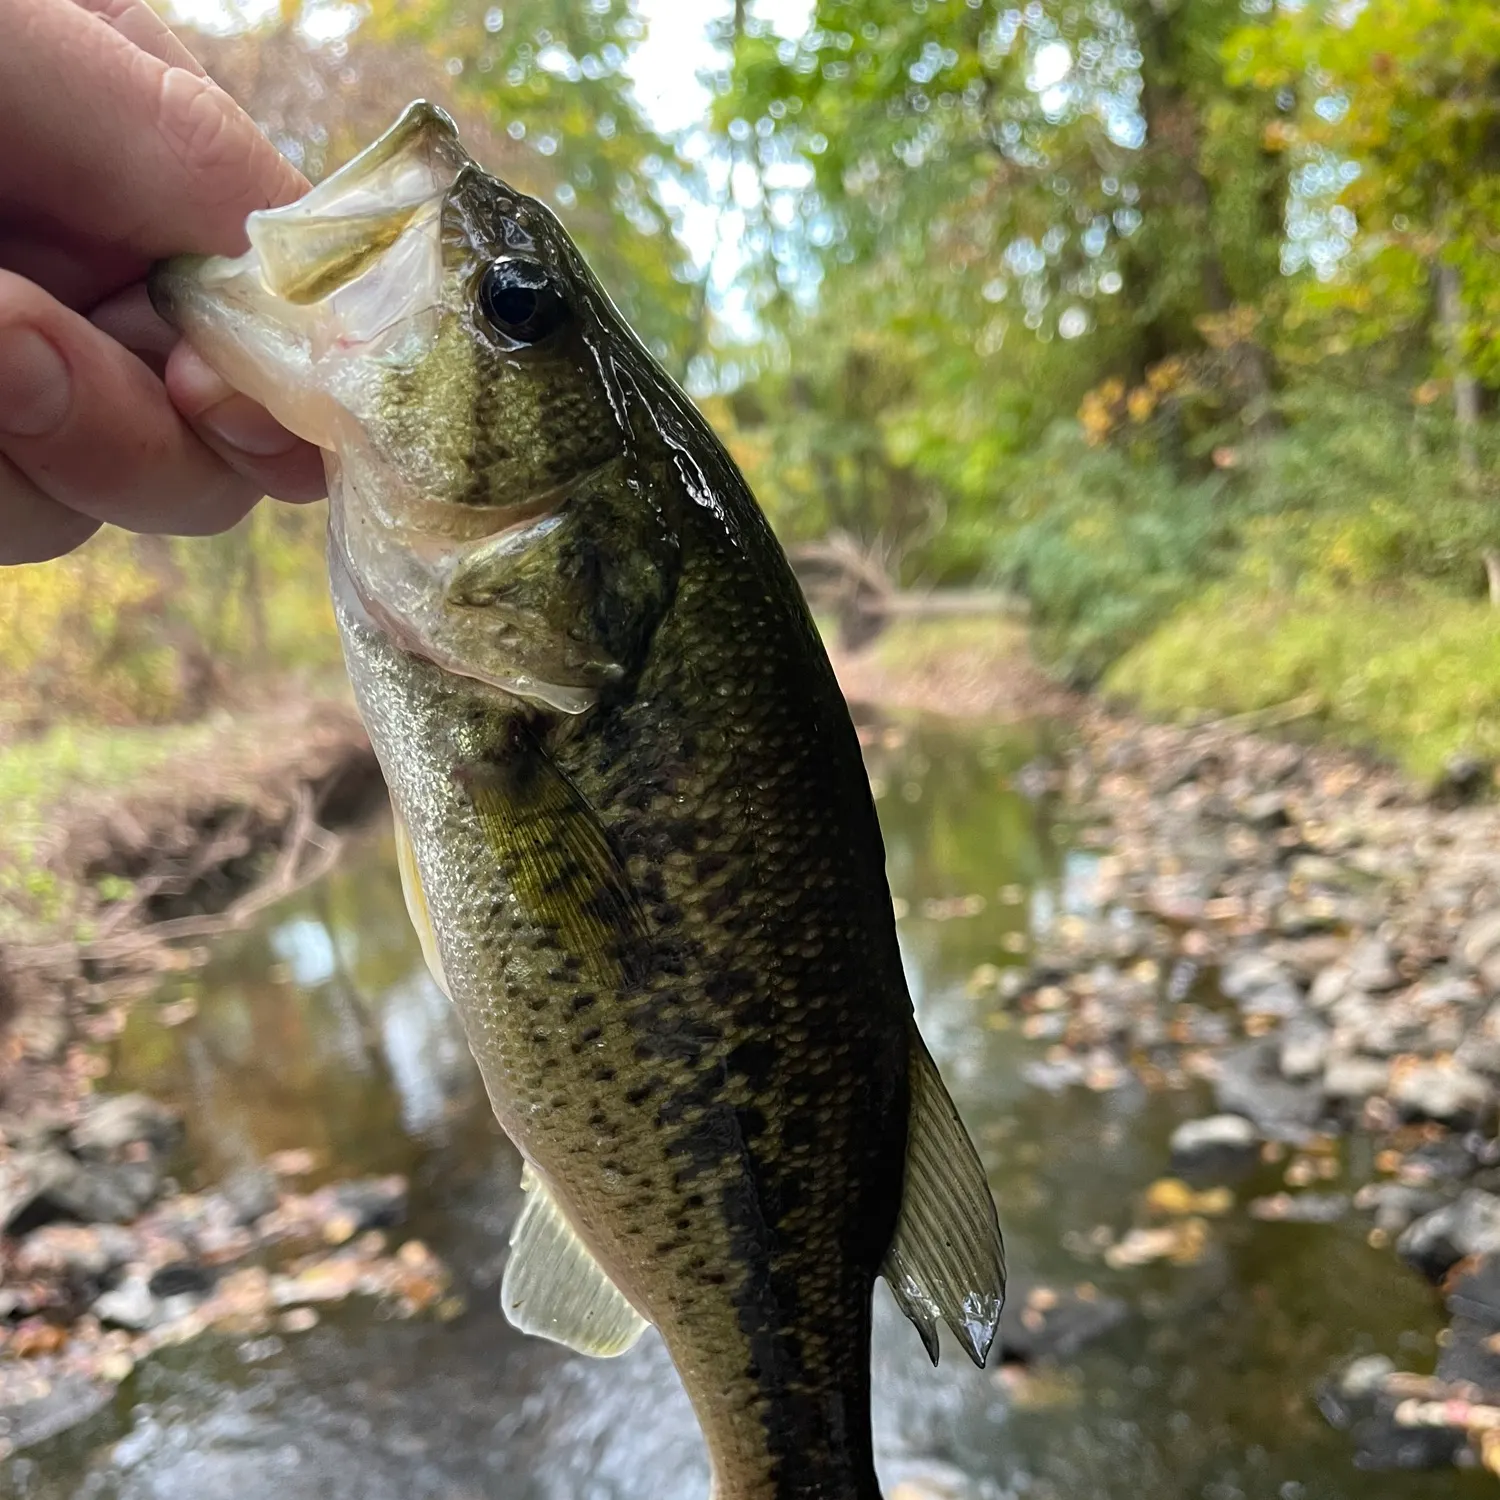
(350, 271)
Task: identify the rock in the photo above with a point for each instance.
(1055, 1323)
(35, 1410)
(371, 1202)
(1300, 1208)
(129, 1305)
(251, 1193)
(1218, 1146)
(1266, 811)
(1479, 942)
(27, 1181)
(1474, 1293)
(1056, 1076)
(1350, 1079)
(80, 1252)
(33, 1130)
(1260, 985)
(1444, 1091)
(121, 1120)
(1465, 777)
(39, 1187)
(1329, 987)
(1248, 1084)
(182, 1278)
(1436, 1243)
(1480, 1049)
(1357, 1402)
(1445, 1160)
(1467, 1355)
(1365, 1376)
(1372, 966)
(1304, 1048)
(1397, 1204)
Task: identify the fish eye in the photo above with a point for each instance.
(519, 299)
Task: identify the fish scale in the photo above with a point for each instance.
(635, 833)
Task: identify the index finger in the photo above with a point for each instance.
(109, 144)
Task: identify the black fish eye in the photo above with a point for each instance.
(519, 299)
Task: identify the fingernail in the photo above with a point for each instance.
(35, 388)
(241, 424)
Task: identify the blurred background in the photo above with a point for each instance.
(1121, 377)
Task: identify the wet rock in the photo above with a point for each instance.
(1300, 1208)
(1397, 1204)
(1304, 1048)
(371, 1202)
(1347, 1080)
(1474, 1293)
(251, 1193)
(1365, 1376)
(1249, 1084)
(1055, 1323)
(1445, 1160)
(129, 1305)
(1381, 1442)
(1359, 1401)
(1467, 1355)
(1260, 985)
(114, 1123)
(1446, 1092)
(1218, 1146)
(1436, 1243)
(182, 1278)
(39, 1408)
(1055, 1075)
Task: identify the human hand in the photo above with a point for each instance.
(119, 151)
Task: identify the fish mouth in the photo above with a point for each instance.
(351, 268)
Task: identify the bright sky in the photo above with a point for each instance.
(665, 67)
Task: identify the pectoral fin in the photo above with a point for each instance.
(946, 1261)
(559, 861)
(555, 1288)
(416, 904)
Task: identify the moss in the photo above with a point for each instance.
(1412, 675)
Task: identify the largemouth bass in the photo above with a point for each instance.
(635, 831)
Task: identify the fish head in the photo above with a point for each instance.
(439, 335)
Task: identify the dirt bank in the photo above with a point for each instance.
(114, 880)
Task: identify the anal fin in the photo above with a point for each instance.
(946, 1260)
(553, 1286)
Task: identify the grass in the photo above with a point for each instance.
(1413, 676)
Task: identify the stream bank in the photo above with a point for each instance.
(1269, 966)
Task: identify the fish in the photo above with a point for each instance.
(634, 828)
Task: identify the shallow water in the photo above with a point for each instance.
(320, 1029)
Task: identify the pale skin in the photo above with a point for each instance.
(118, 151)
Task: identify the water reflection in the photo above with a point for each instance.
(321, 1029)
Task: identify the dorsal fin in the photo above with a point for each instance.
(947, 1260)
(555, 1288)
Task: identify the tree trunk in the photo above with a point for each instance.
(1450, 299)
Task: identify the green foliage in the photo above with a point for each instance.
(1415, 675)
(1106, 547)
